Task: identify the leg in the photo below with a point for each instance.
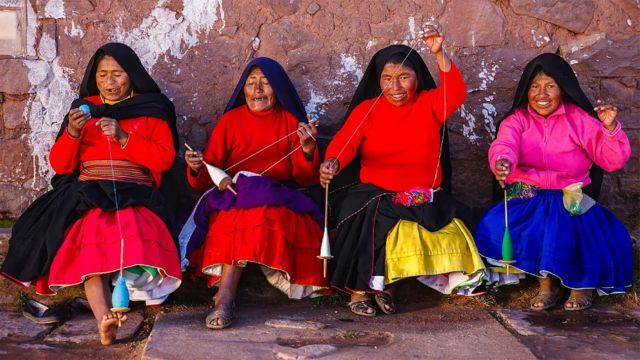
(548, 294)
(99, 296)
(222, 313)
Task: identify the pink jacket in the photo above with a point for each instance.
(559, 150)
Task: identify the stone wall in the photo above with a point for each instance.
(196, 50)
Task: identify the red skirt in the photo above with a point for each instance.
(92, 246)
(284, 242)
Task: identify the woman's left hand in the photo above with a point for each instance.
(307, 133)
(607, 114)
(110, 127)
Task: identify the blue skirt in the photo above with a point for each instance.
(588, 251)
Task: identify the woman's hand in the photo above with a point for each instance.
(194, 159)
(307, 133)
(433, 38)
(77, 119)
(503, 167)
(327, 170)
(111, 127)
(607, 114)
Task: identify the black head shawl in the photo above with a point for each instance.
(149, 101)
(369, 87)
(556, 67)
(285, 92)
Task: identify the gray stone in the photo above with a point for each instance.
(415, 333)
(305, 352)
(14, 325)
(292, 324)
(599, 332)
(572, 15)
(229, 30)
(82, 329)
(313, 8)
(516, 319)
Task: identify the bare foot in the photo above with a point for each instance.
(108, 327)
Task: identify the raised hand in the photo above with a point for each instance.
(432, 36)
(77, 119)
(607, 114)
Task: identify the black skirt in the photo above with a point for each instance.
(366, 215)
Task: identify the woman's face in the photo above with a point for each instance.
(257, 91)
(544, 94)
(113, 82)
(398, 83)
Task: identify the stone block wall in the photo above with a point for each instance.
(196, 49)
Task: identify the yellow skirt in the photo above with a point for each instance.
(445, 260)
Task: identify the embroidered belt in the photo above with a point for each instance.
(414, 197)
(573, 199)
(118, 170)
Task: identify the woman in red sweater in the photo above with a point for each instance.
(108, 165)
(264, 142)
(400, 221)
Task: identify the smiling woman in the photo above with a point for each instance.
(269, 222)
(550, 151)
(389, 225)
(544, 94)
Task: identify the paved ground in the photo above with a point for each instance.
(304, 330)
(268, 326)
(294, 331)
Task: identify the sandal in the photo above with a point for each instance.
(226, 314)
(581, 299)
(361, 308)
(548, 300)
(39, 313)
(385, 303)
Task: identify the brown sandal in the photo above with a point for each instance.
(548, 300)
(224, 313)
(582, 299)
(385, 303)
(361, 307)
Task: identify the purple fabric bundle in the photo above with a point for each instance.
(253, 191)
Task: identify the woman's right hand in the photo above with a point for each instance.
(327, 170)
(194, 159)
(503, 167)
(77, 119)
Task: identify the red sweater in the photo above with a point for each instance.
(150, 145)
(399, 145)
(240, 133)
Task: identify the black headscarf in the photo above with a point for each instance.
(285, 92)
(556, 67)
(369, 87)
(149, 101)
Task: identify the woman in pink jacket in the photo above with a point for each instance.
(545, 153)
